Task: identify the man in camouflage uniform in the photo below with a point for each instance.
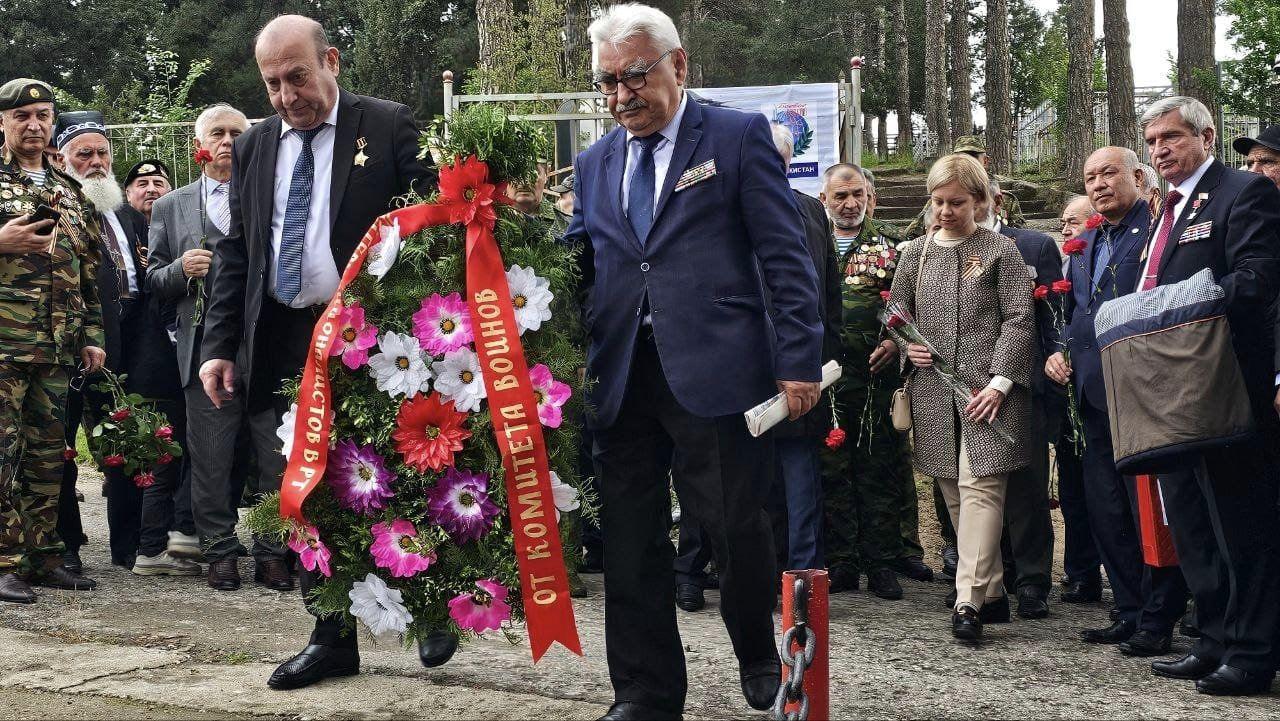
(1011, 212)
(871, 508)
(50, 321)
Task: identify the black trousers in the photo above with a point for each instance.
(722, 476)
(1152, 598)
(1080, 558)
(1223, 518)
(70, 529)
(1028, 529)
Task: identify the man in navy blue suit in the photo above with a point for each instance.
(685, 218)
(1148, 600)
(1222, 510)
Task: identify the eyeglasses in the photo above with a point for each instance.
(608, 84)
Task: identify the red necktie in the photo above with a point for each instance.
(1167, 221)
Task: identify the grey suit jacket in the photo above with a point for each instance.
(177, 225)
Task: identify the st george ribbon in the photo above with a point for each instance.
(466, 197)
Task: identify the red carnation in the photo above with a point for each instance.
(1074, 246)
(121, 414)
(144, 480)
(203, 156)
(68, 454)
(884, 296)
(896, 321)
(165, 459)
(1041, 292)
(835, 438)
(164, 433)
(115, 460)
(1061, 286)
(1094, 221)
(1054, 503)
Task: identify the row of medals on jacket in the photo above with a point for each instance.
(871, 264)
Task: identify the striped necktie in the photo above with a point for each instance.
(294, 235)
(220, 207)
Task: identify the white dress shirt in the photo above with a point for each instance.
(319, 271)
(1186, 188)
(122, 242)
(217, 201)
(661, 156)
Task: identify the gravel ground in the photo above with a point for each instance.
(171, 647)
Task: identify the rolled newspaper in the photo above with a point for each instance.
(774, 411)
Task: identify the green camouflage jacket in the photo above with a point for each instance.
(49, 306)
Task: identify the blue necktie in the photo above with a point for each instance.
(294, 235)
(1102, 256)
(640, 190)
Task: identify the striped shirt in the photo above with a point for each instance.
(37, 176)
(844, 244)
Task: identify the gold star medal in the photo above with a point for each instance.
(361, 158)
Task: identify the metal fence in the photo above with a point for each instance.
(170, 143)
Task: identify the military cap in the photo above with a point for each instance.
(75, 123)
(145, 169)
(564, 186)
(1269, 138)
(24, 91)
(969, 144)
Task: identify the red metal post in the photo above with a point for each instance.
(817, 677)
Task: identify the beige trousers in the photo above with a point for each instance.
(976, 506)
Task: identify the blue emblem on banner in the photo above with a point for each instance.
(801, 133)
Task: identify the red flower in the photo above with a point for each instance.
(1061, 286)
(121, 414)
(68, 454)
(1094, 221)
(428, 432)
(466, 190)
(884, 296)
(835, 438)
(144, 480)
(1054, 503)
(164, 433)
(202, 156)
(115, 460)
(896, 321)
(1074, 246)
(1041, 292)
(165, 459)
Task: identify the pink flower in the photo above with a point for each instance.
(120, 415)
(144, 480)
(460, 505)
(481, 610)
(550, 394)
(355, 337)
(312, 554)
(115, 460)
(359, 478)
(443, 324)
(164, 459)
(164, 433)
(394, 548)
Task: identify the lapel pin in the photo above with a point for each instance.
(360, 158)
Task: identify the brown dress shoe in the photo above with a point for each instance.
(223, 574)
(273, 573)
(15, 590)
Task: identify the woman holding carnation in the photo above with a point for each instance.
(971, 297)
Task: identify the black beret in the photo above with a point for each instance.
(146, 168)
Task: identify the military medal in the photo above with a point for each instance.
(361, 158)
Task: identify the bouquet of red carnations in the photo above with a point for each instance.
(133, 436)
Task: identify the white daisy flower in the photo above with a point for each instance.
(285, 431)
(383, 255)
(531, 295)
(379, 606)
(458, 379)
(398, 367)
(565, 495)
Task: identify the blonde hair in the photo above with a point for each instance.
(962, 169)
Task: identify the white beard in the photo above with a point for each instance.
(104, 193)
(843, 224)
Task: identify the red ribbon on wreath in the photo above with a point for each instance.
(466, 197)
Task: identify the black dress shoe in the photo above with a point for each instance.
(15, 590)
(1187, 668)
(273, 573)
(1231, 681)
(62, 578)
(884, 583)
(71, 561)
(437, 648)
(1189, 626)
(996, 611)
(913, 567)
(1145, 643)
(1114, 614)
(1081, 592)
(315, 663)
(628, 711)
(950, 559)
(843, 579)
(760, 681)
(689, 597)
(1033, 602)
(1115, 633)
(966, 625)
(125, 562)
(223, 574)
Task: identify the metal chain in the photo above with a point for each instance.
(792, 691)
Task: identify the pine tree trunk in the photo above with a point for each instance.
(493, 23)
(961, 70)
(1078, 127)
(868, 138)
(692, 13)
(935, 81)
(1122, 118)
(1197, 69)
(882, 135)
(577, 46)
(902, 77)
(999, 103)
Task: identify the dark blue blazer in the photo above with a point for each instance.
(714, 246)
(1119, 277)
(1044, 266)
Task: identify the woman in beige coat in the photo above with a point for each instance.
(971, 297)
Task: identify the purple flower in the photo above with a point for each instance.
(359, 478)
(460, 506)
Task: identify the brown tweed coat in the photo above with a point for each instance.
(973, 302)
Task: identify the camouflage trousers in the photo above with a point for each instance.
(33, 399)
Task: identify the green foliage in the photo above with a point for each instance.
(132, 435)
(510, 148)
(1248, 85)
